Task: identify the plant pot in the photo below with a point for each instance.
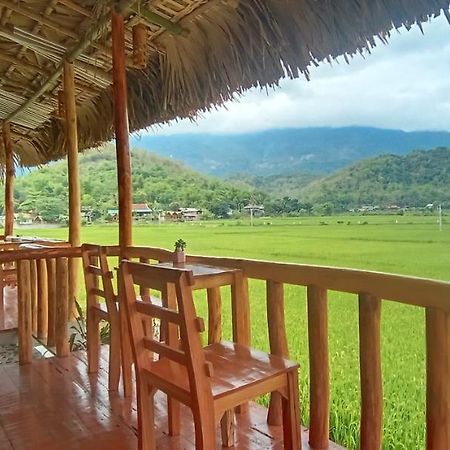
(179, 257)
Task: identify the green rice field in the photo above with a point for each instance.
(410, 245)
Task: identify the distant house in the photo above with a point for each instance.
(191, 214)
(183, 214)
(87, 214)
(28, 218)
(139, 210)
(255, 210)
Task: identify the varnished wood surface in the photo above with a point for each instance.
(54, 404)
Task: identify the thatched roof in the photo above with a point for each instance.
(202, 53)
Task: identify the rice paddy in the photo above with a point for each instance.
(410, 245)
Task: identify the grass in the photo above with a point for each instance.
(398, 244)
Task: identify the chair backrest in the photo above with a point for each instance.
(175, 286)
(96, 269)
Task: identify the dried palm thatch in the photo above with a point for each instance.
(205, 53)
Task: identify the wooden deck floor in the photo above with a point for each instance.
(54, 404)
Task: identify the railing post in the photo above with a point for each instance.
(371, 379)
(214, 315)
(240, 309)
(42, 294)
(277, 340)
(24, 313)
(62, 307)
(319, 378)
(34, 294)
(438, 389)
(51, 285)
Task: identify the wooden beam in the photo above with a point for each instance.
(73, 176)
(121, 130)
(9, 181)
(156, 19)
(90, 36)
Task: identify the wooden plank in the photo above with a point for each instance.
(371, 379)
(121, 129)
(62, 308)
(438, 379)
(277, 340)
(24, 313)
(73, 178)
(9, 180)
(319, 409)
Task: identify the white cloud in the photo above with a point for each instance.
(405, 84)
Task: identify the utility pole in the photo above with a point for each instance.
(440, 216)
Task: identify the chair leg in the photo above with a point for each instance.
(227, 429)
(146, 421)
(205, 434)
(173, 416)
(291, 414)
(93, 341)
(114, 357)
(127, 359)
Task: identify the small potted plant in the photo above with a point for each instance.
(179, 256)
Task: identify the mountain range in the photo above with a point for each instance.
(287, 151)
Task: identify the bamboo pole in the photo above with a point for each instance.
(70, 109)
(9, 181)
(121, 130)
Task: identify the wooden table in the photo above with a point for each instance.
(212, 278)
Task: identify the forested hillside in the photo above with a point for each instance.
(417, 179)
(162, 183)
(288, 151)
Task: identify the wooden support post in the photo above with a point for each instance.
(318, 367)
(371, 379)
(42, 312)
(62, 308)
(214, 315)
(34, 295)
(51, 284)
(73, 178)
(24, 312)
(438, 379)
(277, 340)
(121, 130)
(9, 180)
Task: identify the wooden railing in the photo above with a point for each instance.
(42, 296)
(370, 289)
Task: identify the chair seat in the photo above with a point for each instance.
(248, 366)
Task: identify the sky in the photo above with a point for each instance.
(404, 85)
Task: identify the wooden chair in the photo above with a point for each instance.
(96, 273)
(211, 380)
